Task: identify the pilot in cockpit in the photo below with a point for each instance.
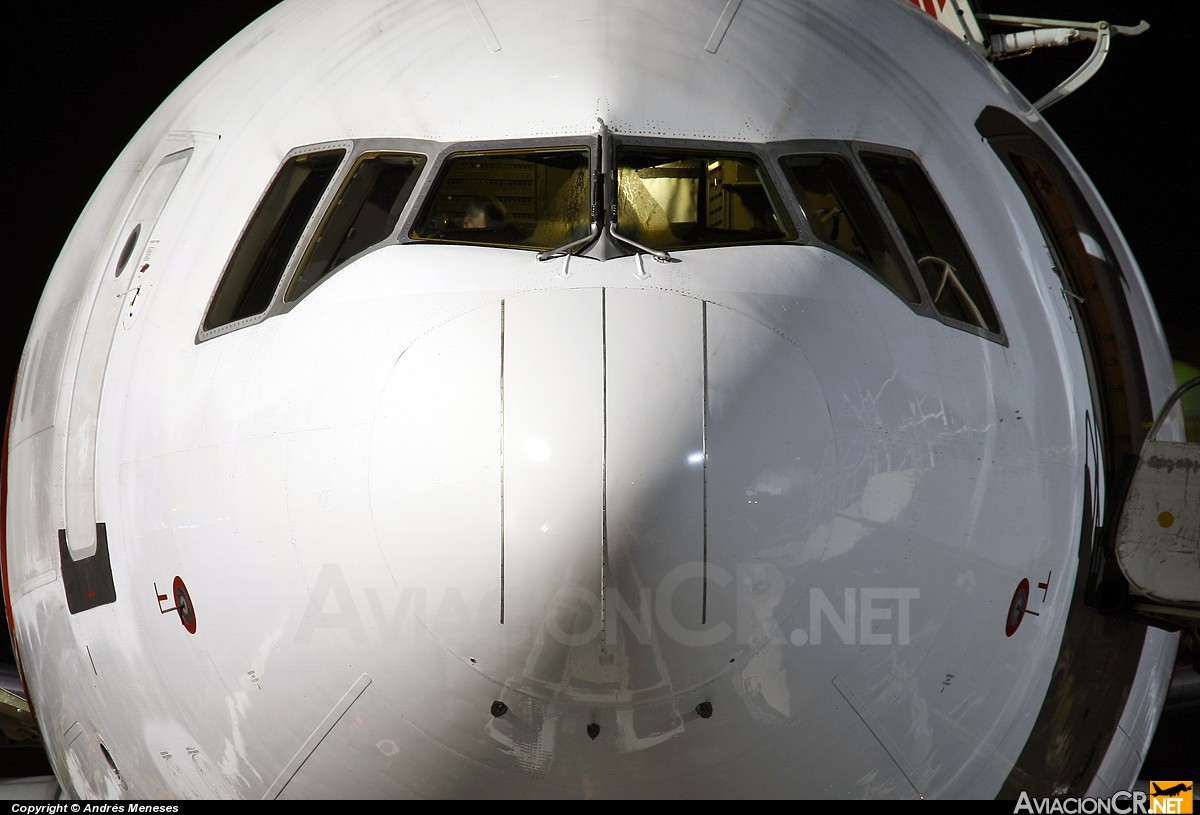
(484, 213)
(489, 219)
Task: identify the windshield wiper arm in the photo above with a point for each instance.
(568, 248)
(658, 254)
(596, 208)
(608, 172)
(604, 207)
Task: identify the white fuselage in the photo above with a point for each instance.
(749, 517)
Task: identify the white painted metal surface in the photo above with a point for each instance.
(460, 523)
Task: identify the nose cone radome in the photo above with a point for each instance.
(599, 495)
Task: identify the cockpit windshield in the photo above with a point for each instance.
(658, 198)
(676, 199)
(602, 197)
(536, 199)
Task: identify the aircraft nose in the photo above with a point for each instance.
(597, 494)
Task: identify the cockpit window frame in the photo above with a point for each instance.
(354, 151)
(348, 212)
(853, 226)
(971, 265)
(782, 197)
(771, 181)
(248, 241)
(849, 151)
(436, 169)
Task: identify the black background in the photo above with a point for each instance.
(80, 78)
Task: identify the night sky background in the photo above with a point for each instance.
(80, 78)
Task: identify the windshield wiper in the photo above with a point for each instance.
(658, 254)
(607, 159)
(568, 248)
(604, 200)
(595, 210)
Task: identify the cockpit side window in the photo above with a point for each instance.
(676, 199)
(534, 199)
(257, 265)
(950, 276)
(364, 212)
(840, 214)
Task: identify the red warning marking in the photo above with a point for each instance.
(183, 604)
(161, 598)
(1017, 608)
(931, 7)
(1045, 587)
